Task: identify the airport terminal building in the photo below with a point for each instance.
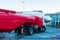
(55, 19)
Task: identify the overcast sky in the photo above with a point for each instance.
(47, 6)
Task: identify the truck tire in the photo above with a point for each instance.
(18, 30)
(42, 29)
(35, 29)
(30, 31)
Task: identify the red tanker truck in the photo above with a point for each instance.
(20, 22)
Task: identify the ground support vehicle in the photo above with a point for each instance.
(28, 24)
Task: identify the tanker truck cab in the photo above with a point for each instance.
(40, 24)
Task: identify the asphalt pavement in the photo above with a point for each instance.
(51, 33)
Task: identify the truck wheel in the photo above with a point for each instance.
(35, 29)
(42, 29)
(30, 31)
(18, 30)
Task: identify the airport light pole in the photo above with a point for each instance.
(23, 6)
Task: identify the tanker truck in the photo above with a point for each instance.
(21, 22)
